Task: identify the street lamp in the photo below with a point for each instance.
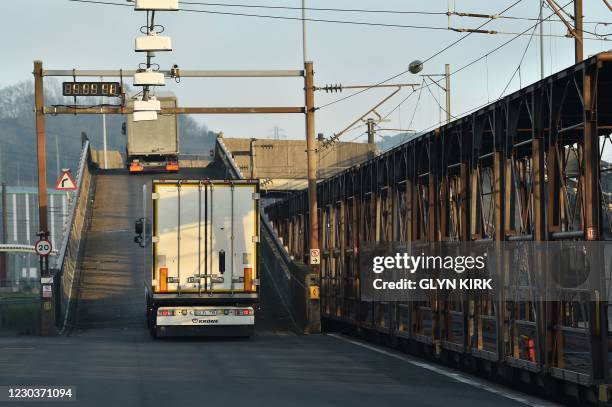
(416, 66)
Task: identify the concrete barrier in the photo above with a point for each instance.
(194, 163)
(291, 279)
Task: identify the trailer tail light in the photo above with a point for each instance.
(163, 279)
(136, 167)
(172, 167)
(248, 279)
(245, 312)
(166, 312)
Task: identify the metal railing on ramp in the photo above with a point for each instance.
(67, 272)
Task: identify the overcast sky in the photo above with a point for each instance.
(68, 35)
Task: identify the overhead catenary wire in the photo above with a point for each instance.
(340, 22)
(333, 9)
(517, 70)
(497, 48)
(436, 99)
(516, 35)
(365, 11)
(478, 107)
(320, 20)
(452, 44)
(502, 45)
(478, 59)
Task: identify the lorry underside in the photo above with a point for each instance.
(168, 163)
(190, 316)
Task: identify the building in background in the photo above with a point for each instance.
(21, 214)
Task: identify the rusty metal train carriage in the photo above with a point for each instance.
(527, 167)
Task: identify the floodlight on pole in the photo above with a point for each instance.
(415, 66)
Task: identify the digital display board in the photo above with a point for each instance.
(110, 89)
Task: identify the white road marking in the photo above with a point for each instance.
(471, 381)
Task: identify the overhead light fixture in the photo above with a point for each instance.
(144, 116)
(153, 43)
(147, 105)
(156, 5)
(146, 109)
(149, 78)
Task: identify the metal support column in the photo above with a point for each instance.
(311, 155)
(47, 314)
(579, 34)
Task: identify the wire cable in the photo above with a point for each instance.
(478, 59)
(367, 11)
(598, 37)
(425, 84)
(428, 59)
(319, 20)
(452, 44)
(342, 10)
(517, 70)
(436, 99)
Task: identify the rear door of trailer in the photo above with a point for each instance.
(206, 235)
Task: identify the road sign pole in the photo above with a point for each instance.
(47, 315)
(43, 248)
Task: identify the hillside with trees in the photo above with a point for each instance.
(18, 134)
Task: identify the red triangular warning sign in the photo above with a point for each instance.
(65, 182)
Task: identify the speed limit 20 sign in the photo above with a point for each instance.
(43, 247)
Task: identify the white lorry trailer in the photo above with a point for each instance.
(204, 277)
(153, 145)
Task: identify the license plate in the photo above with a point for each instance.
(205, 313)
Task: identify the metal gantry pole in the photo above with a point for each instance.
(541, 39)
(304, 44)
(311, 154)
(47, 314)
(579, 34)
(371, 131)
(40, 146)
(448, 92)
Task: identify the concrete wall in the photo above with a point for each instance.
(114, 158)
(286, 159)
(291, 280)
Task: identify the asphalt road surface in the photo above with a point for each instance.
(111, 360)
